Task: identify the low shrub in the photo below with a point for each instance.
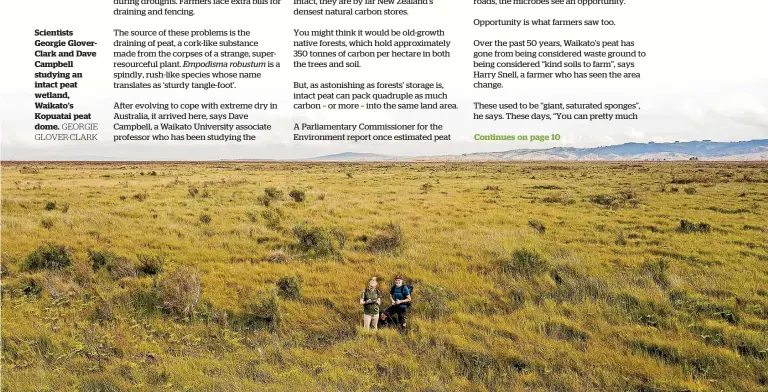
(99, 258)
(605, 201)
(289, 287)
(273, 193)
(31, 285)
(50, 206)
(389, 239)
(273, 216)
(624, 198)
(263, 200)
(48, 256)
(205, 219)
(150, 264)
(117, 266)
(298, 195)
(140, 196)
(690, 191)
(316, 240)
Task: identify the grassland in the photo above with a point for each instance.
(528, 276)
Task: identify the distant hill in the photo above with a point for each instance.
(753, 150)
(355, 157)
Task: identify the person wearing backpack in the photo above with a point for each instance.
(370, 298)
(400, 294)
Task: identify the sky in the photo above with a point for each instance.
(704, 77)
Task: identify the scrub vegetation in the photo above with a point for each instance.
(246, 276)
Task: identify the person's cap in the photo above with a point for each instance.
(399, 277)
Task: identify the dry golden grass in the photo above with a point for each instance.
(528, 276)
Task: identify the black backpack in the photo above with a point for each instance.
(410, 290)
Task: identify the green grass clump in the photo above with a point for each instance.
(525, 263)
(48, 256)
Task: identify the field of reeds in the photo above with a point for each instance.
(245, 276)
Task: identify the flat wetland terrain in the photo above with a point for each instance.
(245, 276)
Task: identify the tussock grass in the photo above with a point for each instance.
(687, 226)
(180, 290)
(537, 225)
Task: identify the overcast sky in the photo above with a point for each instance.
(705, 77)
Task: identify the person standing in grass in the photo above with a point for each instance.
(370, 298)
(400, 295)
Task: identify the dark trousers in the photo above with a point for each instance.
(400, 311)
